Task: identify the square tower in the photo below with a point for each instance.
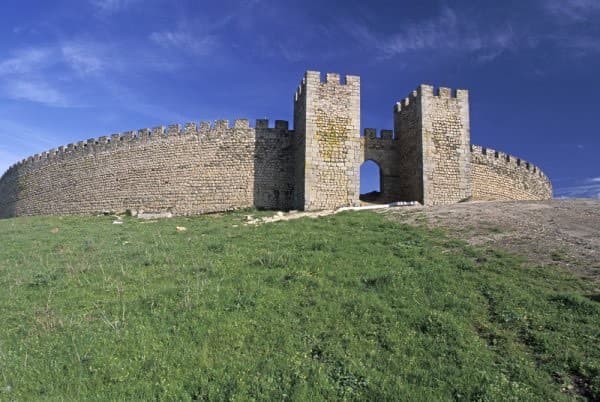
(327, 126)
(433, 130)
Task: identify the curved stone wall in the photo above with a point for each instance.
(189, 170)
(497, 176)
(201, 169)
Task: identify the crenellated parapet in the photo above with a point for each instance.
(370, 134)
(202, 167)
(382, 141)
(315, 77)
(327, 124)
(497, 175)
(157, 169)
(493, 157)
(407, 103)
(432, 125)
(203, 131)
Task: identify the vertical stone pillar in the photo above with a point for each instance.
(327, 118)
(434, 134)
(446, 146)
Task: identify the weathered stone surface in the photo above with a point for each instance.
(497, 176)
(432, 128)
(199, 168)
(328, 124)
(184, 172)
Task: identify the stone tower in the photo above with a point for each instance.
(220, 167)
(432, 128)
(328, 151)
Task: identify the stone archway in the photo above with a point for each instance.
(371, 182)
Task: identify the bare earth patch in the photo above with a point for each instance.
(557, 232)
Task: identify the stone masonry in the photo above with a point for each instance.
(204, 168)
(330, 127)
(433, 132)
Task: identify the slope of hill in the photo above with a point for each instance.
(563, 233)
(351, 306)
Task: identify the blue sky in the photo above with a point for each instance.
(76, 69)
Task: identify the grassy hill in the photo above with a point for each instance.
(351, 306)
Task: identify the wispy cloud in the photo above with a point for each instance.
(26, 60)
(571, 11)
(580, 44)
(35, 91)
(111, 6)
(129, 100)
(574, 27)
(48, 74)
(183, 39)
(22, 77)
(586, 188)
(197, 36)
(82, 57)
(18, 141)
(445, 32)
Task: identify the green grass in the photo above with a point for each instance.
(345, 307)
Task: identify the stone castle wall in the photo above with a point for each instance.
(408, 132)
(199, 169)
(432, 128)
(300, 121)
(446, 140)
(331, 132)
(499, 176)
(188, 170)
(385, 151)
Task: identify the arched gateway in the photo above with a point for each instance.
(200, 168)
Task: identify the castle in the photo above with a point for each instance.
(428, 157)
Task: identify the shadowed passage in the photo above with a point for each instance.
(370, 182)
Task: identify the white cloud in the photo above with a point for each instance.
(19, 140)
(581, 44)
(183, 39)
(40, 74)
(22, 77)
(82, 57)
(111, 6)
(458, 33)
(26, 60)
(571, 11)
(35, 91)
(586, 188)
(446, 32)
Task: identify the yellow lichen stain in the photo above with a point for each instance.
(332, 133)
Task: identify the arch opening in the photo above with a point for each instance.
(371, 182)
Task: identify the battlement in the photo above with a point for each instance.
(316, 78)
(406, 102)
(370, 134)
(279, 124)
(431, 92)
(201, 167)
(442, 92)
(493, 156)
(200, 131)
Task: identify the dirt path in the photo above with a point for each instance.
(563, 232)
